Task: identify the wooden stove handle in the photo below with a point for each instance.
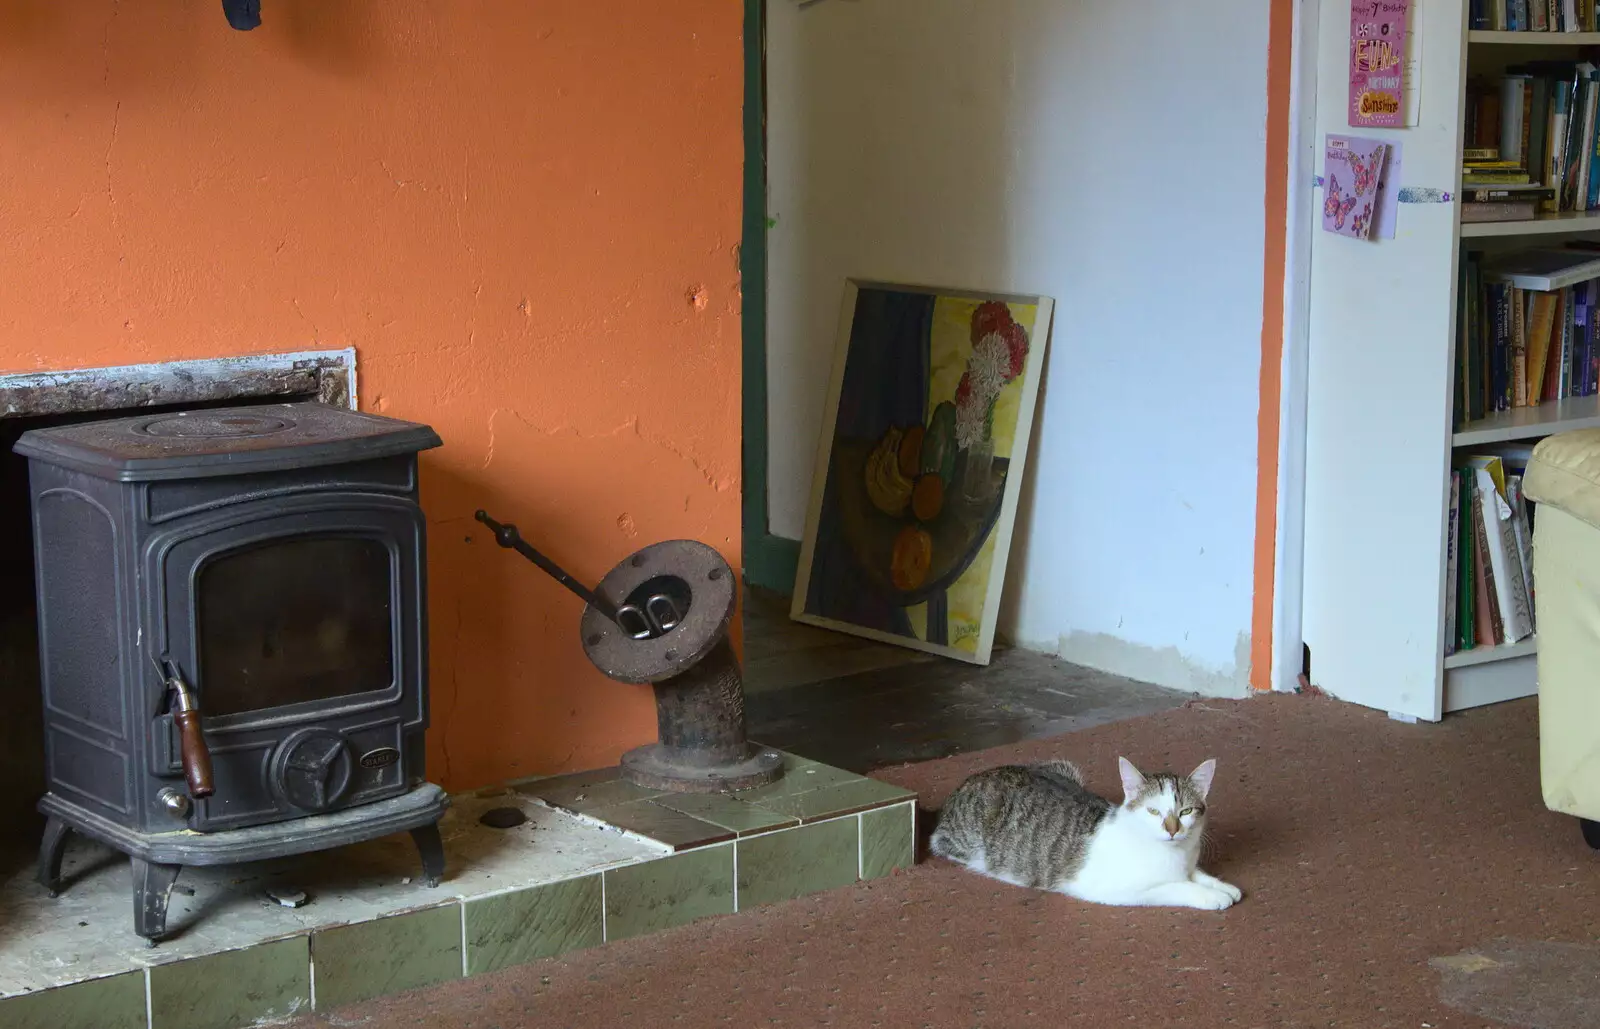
(192, 749)
(195, 754)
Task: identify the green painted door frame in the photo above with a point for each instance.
(769, 560)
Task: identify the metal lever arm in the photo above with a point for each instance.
(507, 536)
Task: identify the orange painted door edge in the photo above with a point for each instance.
(1280, 44)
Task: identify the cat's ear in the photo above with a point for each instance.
(1201, 777)
(1132, 778)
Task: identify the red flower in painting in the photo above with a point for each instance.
(964, 389)
(1016, 338)
(991, 316)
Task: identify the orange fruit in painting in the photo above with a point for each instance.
(927, 497)
(911, 451)
(913, 556)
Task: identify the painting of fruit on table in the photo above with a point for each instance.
(920, 464)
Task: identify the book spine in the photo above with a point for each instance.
(1490, 631)
(1539, 119)
(1572, 154)
(1594, 168)
(1452, 563)
(1565, 388)
(1585, 144)
(1579, 373)
(1477, 391)
(1524, 536)
(1512, 595)
(1574, 346)
(1497, 308)
(1585, 343)
(1555, 135)
(1512, 89)
(1594, 364)
(1591, 352)
(1501, 547)
(1467, 611)
(1538, 344)
(1524, 121)
(1458, 374)
(1519, 347)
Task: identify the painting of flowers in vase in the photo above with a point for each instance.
(920, 465)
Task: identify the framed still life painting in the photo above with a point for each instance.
(919, 465)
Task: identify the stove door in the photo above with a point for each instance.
(299, 626)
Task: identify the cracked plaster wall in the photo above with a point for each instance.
(524, 217)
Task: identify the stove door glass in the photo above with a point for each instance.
(293, 621)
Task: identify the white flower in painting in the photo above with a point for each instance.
(989, 366)
(972, 423)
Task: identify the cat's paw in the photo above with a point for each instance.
(1211, 881)
(1208, 899)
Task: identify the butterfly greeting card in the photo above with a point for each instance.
(1351, 170)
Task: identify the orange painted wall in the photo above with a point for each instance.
(524, 216)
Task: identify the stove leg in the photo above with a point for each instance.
(431, 847)
(51, 849)
(152, 888)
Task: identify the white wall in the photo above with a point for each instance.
(1108, 154)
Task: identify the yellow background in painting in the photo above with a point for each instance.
(949, 346)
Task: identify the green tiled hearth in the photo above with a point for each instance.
(623, 862)
(387, 955)
(789, 864)
(657, 895)
(808, 792)
(888, 842)
(507, 929)
(234, 988)
(115, 1002)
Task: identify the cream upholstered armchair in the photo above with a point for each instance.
(1563, 478)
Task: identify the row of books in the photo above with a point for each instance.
(1528, 331)
(1531, 135)
(1489, 595)
(1534, 15)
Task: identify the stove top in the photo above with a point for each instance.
(224, 441)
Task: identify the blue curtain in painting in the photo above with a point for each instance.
(885, 385)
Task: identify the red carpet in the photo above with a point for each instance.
(1394, 875)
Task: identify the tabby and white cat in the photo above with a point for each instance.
(1038, 826)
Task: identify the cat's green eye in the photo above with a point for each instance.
(1152, 810)
(1186, 811)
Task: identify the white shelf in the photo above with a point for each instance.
(1535, 38)
(1545, 225)
(1486, 655)
(1531, 422)
(1504, 677)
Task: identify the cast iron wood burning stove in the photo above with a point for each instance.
(232, 634)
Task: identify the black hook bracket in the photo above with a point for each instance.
(243, 15)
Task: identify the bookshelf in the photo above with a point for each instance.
(1483, 36)
(1565, 223)
(1525, 423)
(1380, 436)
